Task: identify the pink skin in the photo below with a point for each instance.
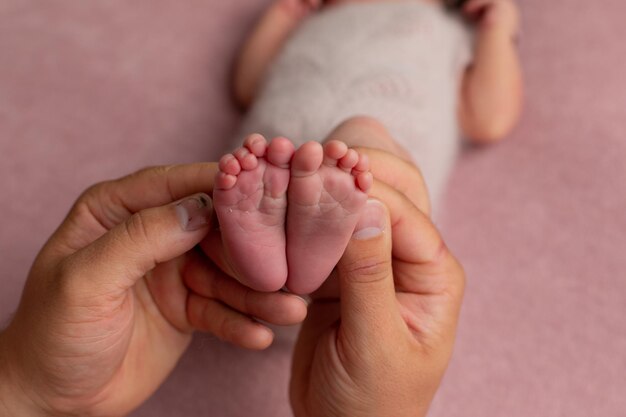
(319, 191)
(250, 199)
(327, 190)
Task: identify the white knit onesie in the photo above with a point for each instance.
(399, 62)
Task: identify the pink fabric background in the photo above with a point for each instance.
(94, 90)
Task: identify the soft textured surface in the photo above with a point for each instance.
(400, 62)
(93, 90)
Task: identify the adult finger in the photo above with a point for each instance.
(152, 187)
(416, 242)
(105, 205)
(400, 174)
(405, 219)
(203, 278)
(423, 263)
(369, 310)
(209, 315)
(403, 214)
(114, 262)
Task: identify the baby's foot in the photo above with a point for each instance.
(251, 202)
(327, 190)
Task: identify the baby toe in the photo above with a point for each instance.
(363, 164)
(349, 160)
(256, 144)
(364, 181)
(307, 159)
(224, 181)
(229, 165)
(246, 159)
(334, 150)
(280, 151)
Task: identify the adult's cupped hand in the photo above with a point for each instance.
(379, 335)
(114, 296)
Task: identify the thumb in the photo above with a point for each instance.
(113, 263)
(369, 309)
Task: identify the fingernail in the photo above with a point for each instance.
(372, 221)
(194, 212)
(304, 298)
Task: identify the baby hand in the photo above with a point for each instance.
(490, 14)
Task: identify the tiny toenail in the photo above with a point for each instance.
(194, 212)
(372, 221)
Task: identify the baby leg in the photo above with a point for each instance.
(327, 190)
(250, 200)
(368, 132)
(363, 132)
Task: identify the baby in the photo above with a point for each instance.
(415, 66)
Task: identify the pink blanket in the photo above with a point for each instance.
(94, 90)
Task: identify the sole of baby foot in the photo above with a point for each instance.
(250, 199)
(327, 190)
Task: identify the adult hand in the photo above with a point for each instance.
(381, 348)
(107, 310)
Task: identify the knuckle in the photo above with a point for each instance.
(225, 329)
(136, 229)
(247, 300)
(160, 171)
(90, 195)
(367, 269)
(151, 170)
(94, 190)
(82, 212)
(94, 204)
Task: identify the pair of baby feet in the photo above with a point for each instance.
(286, 215)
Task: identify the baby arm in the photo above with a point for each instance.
(265, 42)
(492, 87)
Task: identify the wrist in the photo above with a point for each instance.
(14, 401)
(505, 33)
